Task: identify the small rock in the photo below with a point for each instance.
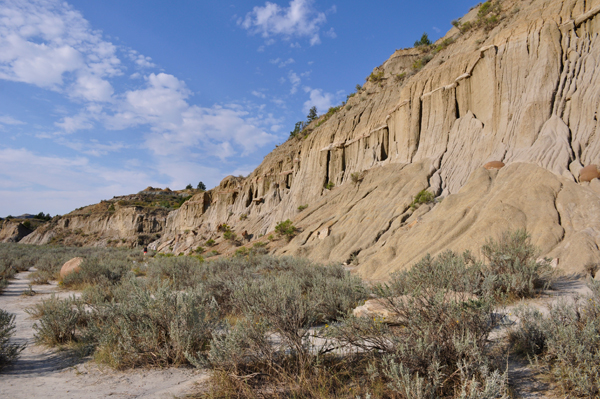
(589, 173)
(323, 233)
(494, 165)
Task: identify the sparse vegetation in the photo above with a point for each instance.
(329, 185)
(210, 242)
(282, 326)
(302, 207)
(357, 177)
(243, 216)
(422, 197)
(488, 17)
(375, 76)
(421, 62)
(286, 229)
(566, 343)
(229, 235)
(8, 351)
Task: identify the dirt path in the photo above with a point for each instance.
(44, 373)
(524, 380)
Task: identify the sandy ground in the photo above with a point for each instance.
(43, 373)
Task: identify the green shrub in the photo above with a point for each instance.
(243, 251)
(422, 197)
(513, 268)
(421, 62)
(400, 77)
(210, 242)
(424, 41)
(156, 328)
(98, 270)
(177, 272)
(357, 177)
(329, 185)
(58, 320)
(512, 271)
(376, 76)
(286, 229)
(8, 351)
(243, 216)
(302, 207)
(229, 235)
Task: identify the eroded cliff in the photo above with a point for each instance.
(521, 88)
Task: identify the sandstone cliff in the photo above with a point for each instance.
(520, 88)
(123, 221)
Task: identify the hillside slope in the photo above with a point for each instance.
(516, 82)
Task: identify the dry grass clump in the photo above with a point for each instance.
(566, 343)
(49, 259)
(8, 351)
(281, 327)
(184, 307)
(512, 271)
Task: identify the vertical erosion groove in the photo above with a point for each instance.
(327, 167)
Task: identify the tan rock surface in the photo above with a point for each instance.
(13, 232)
(494, 165)
(70, 266)
(588, 173)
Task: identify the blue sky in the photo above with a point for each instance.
(104, 98)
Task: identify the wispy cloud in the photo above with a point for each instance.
(282, 64)
(9, 120)
(294, 80)
(300, 19)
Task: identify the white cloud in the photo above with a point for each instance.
(322, 100)
(300, 19)
(258, 94)
(93, 147)
(71, 124)
(9, 120)
(50, 45)
(141, 60)
(436, 29)
(180, 128)
(294, 80)
(282, 64)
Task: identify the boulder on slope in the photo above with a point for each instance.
(589, 173)
(71, 266)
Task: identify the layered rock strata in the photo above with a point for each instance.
(524, 94)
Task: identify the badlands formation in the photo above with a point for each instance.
(520, 98)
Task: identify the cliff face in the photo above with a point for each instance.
(13, 231)
(521, 89)
(524, 93)
(108, 223)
